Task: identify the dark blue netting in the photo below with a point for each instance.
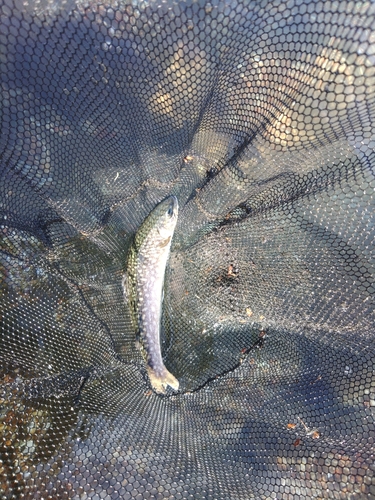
(259, 117)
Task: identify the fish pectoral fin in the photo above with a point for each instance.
(160, 382)
(165, 242)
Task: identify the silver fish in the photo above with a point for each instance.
(143, 286)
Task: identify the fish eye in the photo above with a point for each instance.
(170, 211)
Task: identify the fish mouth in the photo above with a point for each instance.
(173, 204)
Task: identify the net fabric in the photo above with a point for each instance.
(258, 117)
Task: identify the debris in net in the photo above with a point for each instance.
(309, 432)
(319, 377)
(258, 344)
(232, 272)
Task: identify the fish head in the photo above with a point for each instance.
(157, 229)
(166, 214)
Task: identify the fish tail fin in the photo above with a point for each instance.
(161, 382)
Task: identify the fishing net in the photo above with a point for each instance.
(258, 117)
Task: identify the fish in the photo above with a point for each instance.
(143, 285)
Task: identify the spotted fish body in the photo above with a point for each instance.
(143, 286)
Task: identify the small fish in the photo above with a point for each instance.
(143, 286)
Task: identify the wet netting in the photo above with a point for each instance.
(258, 116)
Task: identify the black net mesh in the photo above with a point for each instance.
(259, 117)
